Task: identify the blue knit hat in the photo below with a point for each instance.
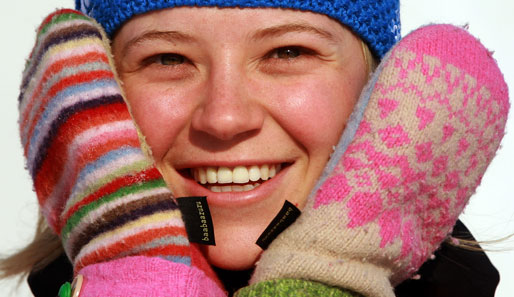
(377, 22)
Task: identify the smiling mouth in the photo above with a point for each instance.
(234, 179)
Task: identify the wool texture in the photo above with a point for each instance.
(292, 287)
(148, 277)
(416, 147)
(376, 22)
(96, 188)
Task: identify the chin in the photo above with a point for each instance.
(229, 256)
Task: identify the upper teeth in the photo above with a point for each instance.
(236, 175)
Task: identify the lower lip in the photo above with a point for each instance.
(236, 199)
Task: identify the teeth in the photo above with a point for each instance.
(237, 175)
(264, 172)
(240, 175)
(202, 175)
(248, 187)
(219, 189)
(237, 188)
(254, 174)
(212, 175)
(224, 175)
(272, 171)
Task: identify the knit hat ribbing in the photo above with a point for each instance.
(376, 22)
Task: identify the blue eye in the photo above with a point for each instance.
(171, 59)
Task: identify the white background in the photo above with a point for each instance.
(490, 214)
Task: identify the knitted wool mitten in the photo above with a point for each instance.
(423, 133)
(97, 189)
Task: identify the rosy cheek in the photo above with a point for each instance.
(160, 114)
(314, 112)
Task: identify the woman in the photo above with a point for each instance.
(235, 94)
(252, 87)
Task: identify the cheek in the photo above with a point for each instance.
(314, 112)
(160, 114)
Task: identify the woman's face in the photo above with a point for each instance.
(242, 106)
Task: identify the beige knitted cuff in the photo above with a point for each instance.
(365, 278)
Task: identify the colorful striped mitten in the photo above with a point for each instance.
(417, 146)
(117, 220)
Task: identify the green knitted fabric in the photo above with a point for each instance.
(293, 287)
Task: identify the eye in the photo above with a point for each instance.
(290, 52)
(170, 59)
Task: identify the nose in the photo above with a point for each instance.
(227, 109)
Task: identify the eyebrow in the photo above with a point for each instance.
(274, 31)
(169, 36)
(279, 30)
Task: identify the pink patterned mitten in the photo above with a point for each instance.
(98, 191)
(416, 148)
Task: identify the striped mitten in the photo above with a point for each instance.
(98, 191)
(423, 133)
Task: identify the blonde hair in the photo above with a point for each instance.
(371, 62)
(42, 250)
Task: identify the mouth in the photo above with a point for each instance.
(234, 179)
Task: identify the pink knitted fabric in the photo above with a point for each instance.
(436, 115)
(145, 276)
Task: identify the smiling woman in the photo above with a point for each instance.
(234, 100)
(247, 110)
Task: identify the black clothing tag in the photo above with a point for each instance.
(285, 217)
(197, 218)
